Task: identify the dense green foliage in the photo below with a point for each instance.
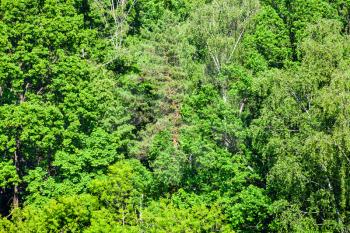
(174, 116)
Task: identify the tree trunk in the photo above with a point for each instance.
(15, 200)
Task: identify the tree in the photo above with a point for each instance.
(299, 143)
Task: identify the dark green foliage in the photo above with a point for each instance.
(174, 116)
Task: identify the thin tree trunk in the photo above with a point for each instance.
(15, 200)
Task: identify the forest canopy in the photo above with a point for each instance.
(174, 116)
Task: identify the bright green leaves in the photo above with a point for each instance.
(300, 143)
(217, 30)
(123, 190)
(35, 127)
(126, 179)
(174, 116)
(324, 48)
(167, 162)
(8, 175)
(287, 180)
(62, 118)
(67, 214)
(31, 133)
(167, 217)
(248, 210)
(279, 29)
(270, 39)
(289, 218)
(147, 14)
(116, 201)
(37, 41)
